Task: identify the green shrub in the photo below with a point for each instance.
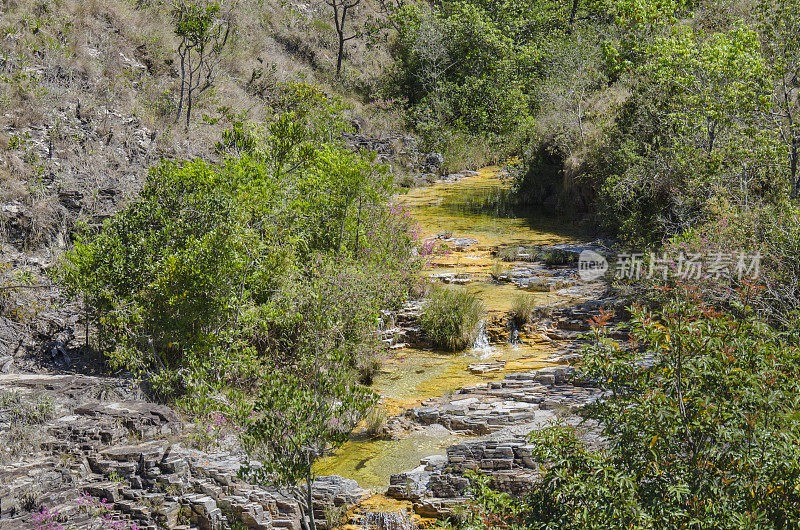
(512, 253)
(771, 231)
(699, 424)
(219, 270)
(556, 257)
(451, 318)
(664, 161)
(375, 422)
(459, 66)
(230, 286)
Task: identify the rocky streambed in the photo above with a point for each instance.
(91, 451)
(452, 413)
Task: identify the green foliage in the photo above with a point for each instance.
(694, 130)
(219, 266)
(451, 318)
(639, 24)
(773, 232)
(700, 429)
(202, 33)
(490, 508)
(457, 67)
(779, 28)
(300, 415)
(194, 20)
(479, 66)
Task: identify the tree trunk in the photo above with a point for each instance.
(312, 525)
(183, 84)
(188, 107)
(572, 14)
(340, 55)
(793, 167)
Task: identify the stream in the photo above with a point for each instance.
(471, 208)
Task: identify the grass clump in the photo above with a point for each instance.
(556, 257)
(552, 257)
(522, 309)
(375, 422)
(451, 318)
(498, 271)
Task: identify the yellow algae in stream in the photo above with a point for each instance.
(424, 374)
(449, 207)
(412, 375)
(372, 462)
(501, 296)
(382, 504)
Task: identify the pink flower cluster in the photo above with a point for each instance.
(47, 519)
(99, 509)
(216, 428)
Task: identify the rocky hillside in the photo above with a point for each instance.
(88, 452)
(90, 95)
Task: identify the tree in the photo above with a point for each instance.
(463, 66)
(340, 9)
(699, 428)
(780, 29)
(300, 414)
(203, 34)
(694, 128)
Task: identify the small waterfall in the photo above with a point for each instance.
(481, 344)
(387, 521)
(513, 332)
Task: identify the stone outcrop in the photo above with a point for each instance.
(522, 398)
(438, 487)
(101, 447)
(503, 413)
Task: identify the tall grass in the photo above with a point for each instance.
(523, 308)
(451, 318)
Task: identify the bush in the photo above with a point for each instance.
(771, 231)
(451, 318)
(464, 66)
(663, 163)
(699, 429)
(517, 253)
(220, 270)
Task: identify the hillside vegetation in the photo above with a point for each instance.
(90, 92)
(190, 196)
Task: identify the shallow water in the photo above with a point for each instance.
(468, 208)
(372, 462)
(449, 207)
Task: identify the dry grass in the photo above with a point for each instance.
(22, 416)
(93, 84)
